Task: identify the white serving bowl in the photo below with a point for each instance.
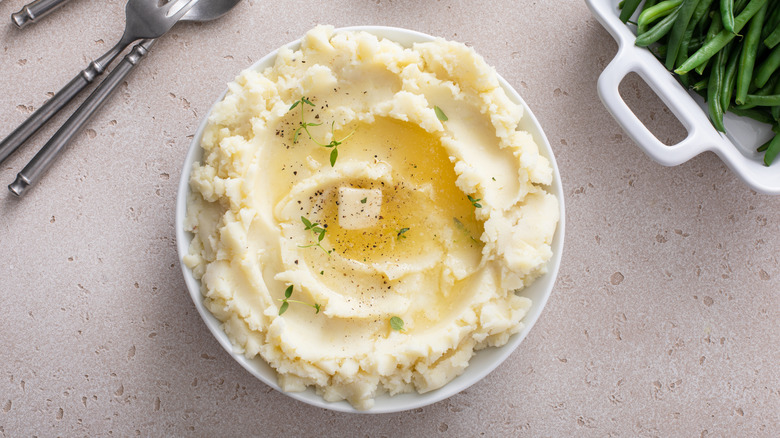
(483, 362)
(736, 147)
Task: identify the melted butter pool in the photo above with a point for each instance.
(421, 208)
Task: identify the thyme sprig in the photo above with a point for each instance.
(318, 233)
(303, 126)
(401, 233)
(475, 202)
(286, 302)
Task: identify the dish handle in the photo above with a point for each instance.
(702, 136)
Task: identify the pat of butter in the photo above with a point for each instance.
(359, 208)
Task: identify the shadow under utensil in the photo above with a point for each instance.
(9, 205)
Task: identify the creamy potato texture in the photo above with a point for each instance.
(436, 222)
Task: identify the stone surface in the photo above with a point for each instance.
(665, 319)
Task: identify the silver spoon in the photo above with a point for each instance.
(204, 10)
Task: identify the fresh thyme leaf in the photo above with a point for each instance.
(288, 292)
(363, 201)
(475, 202)
(322, 236)
(397, 323)
(317, 308)
(401, 233)
(284, 307)
(306, 222)
(440, 114)
(297, 133)
(334, 154)
(300, 101)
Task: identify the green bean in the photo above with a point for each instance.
(627, 9)
(658, 31)
(700, 85)
(715, 27)
(772, 150)
(766, 90)
(727, 14)
(730, 75)
(694, 44)
(775, 111)
(747, 59)
(714, 88)
(773, 38)
(772, 19)
(684, 48)
(649, 4)
(704, 23)
(758, 100)
(700, 14)
(750, 10)
(685, 80)
(709, 49)
(688, 42)
(660, 51)
(679, 28)
(768, 67)
(649, 15)
(755, 114)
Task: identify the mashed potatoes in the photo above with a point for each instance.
(370, 237)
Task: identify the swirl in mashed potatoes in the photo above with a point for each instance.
(435, 222)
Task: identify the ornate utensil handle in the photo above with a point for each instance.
(56, 103)
(34, 11)
(46, 156)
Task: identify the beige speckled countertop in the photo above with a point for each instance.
(665, 319)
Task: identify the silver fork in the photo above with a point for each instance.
(145, 19)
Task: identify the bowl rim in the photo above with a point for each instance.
(400, 402)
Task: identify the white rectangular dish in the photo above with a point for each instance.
(737, 147)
